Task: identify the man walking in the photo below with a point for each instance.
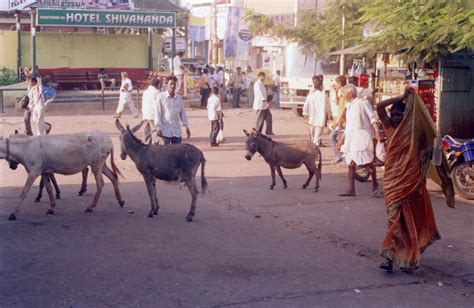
(261, 105)
(178, 71)
(169, 113)
(126, 97)
(149, 101)
(357, 142)
(316, 110)
(236, 82)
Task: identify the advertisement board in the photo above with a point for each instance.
(105, 18)
(12, 5)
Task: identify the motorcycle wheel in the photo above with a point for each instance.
(362, 174)
(463, 179)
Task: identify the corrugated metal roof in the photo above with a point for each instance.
(158, 5)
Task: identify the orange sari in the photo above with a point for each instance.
(411, 223)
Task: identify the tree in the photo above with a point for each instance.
(427, 29)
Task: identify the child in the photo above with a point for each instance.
(214, 112)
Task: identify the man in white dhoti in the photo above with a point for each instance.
(357, 143)
(126, 97)
(316, 110)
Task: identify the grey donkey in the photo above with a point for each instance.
(286, 155)
(173, 162)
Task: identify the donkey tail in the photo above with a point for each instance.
(115, 170)
(203, 177)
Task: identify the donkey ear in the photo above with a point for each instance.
(16, 132)
(136, 128)
(246, 133)
(119, 125)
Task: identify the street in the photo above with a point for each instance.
(247, 245)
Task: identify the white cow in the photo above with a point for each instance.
(62, 154)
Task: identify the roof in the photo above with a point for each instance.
(354, 50)
(158, 5)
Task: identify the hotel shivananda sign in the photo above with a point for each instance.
(105, 18)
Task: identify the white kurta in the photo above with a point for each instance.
(358, 144)
(260, 96)
(316, 107)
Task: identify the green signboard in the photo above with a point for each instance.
(105, 18)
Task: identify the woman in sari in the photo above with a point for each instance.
(411, 224)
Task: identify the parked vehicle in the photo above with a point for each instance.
(460, 155)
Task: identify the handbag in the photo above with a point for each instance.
(22, 102)
(220, 136)
(380, 151)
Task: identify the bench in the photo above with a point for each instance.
(71, 78)
(95, 82)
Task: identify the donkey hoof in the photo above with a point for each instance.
(271, 187)
(155, 213)
(189, 218)
(150, 215)
(316, 190)
(50, 212)
(80, 193)
(121, 202)
(304, 186)
(88, 210)
(37, 199)
(12, 216)
(58, 196)
(285, 186)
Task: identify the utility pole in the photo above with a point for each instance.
(341, 64)
(18, 48)
(215, 39)
(33, 41)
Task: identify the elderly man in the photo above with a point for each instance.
(358, 142)
(125, 97)
(169, 113)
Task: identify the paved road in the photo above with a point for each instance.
(248, 246)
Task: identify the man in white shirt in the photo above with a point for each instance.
(169, 113)
(316, 110)
(357, 142)
(249, 83)
(126, 97)
(149, 101)
(214, 113)
(260, 104)
(178, 71)
(276, 89)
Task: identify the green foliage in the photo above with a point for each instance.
(259, 24)
(427, 28)
(7, 76)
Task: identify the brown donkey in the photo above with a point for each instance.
(286, 155)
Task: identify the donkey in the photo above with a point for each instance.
(14, 165)
(174, 162)
(62, 154)
(290, 156)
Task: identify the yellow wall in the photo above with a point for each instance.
(79, 50)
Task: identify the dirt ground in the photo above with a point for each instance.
(247, 246)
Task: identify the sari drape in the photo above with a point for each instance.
(411, 223)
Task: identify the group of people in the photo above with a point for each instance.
(348, 113)
(353, 125)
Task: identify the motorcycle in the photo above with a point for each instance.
(460, 155)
